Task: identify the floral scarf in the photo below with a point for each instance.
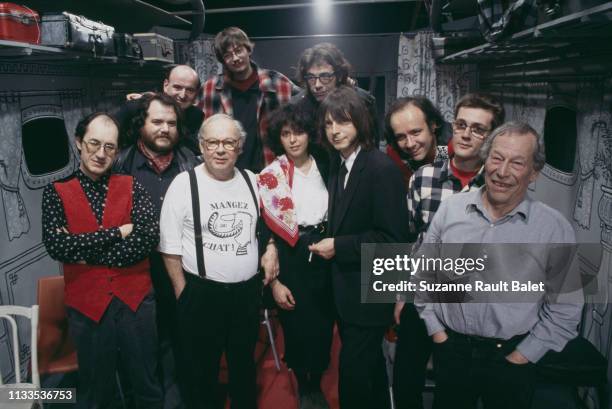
(275, 183)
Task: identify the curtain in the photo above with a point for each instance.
(200, 54)
(17, 221)
(592, 122)
(419, 74)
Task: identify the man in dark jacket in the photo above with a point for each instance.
(154, 158)
(367, 204)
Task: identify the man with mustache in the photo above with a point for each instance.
(246, 92)
(476, 115)
(181, 84)
(102, 227)
(154, 158)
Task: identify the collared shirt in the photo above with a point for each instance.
(428, 187)
(463, 218)
(310, 196)
(155, 184)
(104, 246)
(348, 162)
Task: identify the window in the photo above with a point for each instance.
(45, 145)
(560, 133)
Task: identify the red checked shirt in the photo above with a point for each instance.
(276, 89)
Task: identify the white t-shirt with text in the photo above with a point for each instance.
(229, 220)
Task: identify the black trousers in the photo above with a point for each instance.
(214, 318)
(363, 381)
(412, 352)
(169, 366)
(120, 334)
(309, 327)
(469, 368)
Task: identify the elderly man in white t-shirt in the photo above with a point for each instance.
(214, 272)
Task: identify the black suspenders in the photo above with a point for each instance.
(197, 224)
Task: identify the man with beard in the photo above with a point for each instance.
(154, 159)
(181, 84)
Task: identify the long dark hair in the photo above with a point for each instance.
(343, 104)
(138, 120)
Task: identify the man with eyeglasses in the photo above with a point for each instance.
(102, 227)
(246, 92)
(476, 115)
(485, 347)
(154, 157)
(211, 245)
(181, 84)
(321, 69)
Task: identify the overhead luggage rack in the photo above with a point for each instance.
(585, 33)
(14, 51)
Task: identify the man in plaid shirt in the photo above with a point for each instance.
(476, 115)
(247, 93)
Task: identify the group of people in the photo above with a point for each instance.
(189, 202)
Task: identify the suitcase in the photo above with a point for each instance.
(19, 23)
(155, 47)
(126, 46)
(77, 33)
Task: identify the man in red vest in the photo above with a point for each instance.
(102, 228)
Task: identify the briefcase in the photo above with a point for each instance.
(126, 46)
(19, 23)
(77, 33)
(155, 47)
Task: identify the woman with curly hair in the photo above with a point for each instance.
(294, 201)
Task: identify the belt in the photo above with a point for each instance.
(317, 228)
(478, 340)
(212, 283)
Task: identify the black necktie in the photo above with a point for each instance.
(341, 176)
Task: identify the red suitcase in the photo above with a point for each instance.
(19, 23)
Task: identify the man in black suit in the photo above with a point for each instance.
(367, 204)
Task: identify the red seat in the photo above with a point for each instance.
(56, 352)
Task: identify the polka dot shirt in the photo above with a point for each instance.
(104, 246)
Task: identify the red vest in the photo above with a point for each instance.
(90, 288)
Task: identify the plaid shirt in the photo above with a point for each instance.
(276, 89)
(428, 187)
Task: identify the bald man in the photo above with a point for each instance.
(182, 84)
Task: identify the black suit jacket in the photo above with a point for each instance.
(372, 209)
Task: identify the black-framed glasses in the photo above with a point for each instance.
(324, 77)
(476, 130)
(228, 144)
(93, 145)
